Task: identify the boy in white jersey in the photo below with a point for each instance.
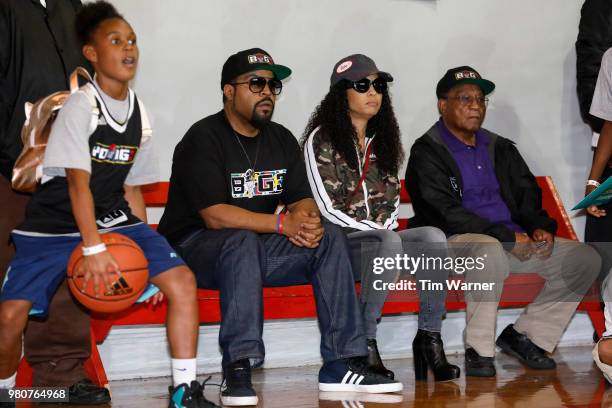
(94, 166)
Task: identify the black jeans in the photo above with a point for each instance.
(240, 263)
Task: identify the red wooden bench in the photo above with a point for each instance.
(297, 301)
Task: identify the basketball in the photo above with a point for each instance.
(125, 290)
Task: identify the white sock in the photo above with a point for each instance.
(183, 371)
(8, 382)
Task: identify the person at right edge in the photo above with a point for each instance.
(599, 221)
(475, 186)
(593, 89)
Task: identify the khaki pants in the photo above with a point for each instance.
(569, 272)
(57, 346)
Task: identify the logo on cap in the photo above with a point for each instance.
(344, 66)
(260, 59)
(466, 75)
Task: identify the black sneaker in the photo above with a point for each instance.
(519, 346)
(353, 375)
(189, 396)
(478, 366)
(237, 389)
(87, 393)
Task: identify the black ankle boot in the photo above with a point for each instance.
(428, 351)
(374, 361)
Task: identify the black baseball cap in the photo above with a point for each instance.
(251, 60)
(462, 75)
(356, 67)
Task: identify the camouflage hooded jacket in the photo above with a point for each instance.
(373, 205)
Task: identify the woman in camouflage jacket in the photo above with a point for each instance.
(353, 151)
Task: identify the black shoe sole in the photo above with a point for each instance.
(449, 377)
(509, 350)
(480, 372)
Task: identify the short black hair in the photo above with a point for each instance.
(90, 16)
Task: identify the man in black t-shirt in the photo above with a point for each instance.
(229, 174)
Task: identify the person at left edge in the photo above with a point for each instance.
(229, 173)
(38, 51)
(91, 185)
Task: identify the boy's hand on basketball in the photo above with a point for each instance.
(102, 268)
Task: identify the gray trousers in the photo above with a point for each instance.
(387, 244)
(569, 272)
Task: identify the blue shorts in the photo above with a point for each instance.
(39, 265)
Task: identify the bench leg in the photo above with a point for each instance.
(598, 320)
(94, 367)
(24, 374)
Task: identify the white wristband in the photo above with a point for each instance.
(92, 250)
(594, 183)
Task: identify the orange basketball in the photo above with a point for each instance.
(125, 290)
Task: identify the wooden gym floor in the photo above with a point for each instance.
(575, 383)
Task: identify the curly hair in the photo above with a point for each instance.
(90, 16)
(333, 116)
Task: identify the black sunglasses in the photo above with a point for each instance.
(257, 84)
(363, 85)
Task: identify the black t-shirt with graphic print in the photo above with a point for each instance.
(209, 167)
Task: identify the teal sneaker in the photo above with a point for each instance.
(185, 396)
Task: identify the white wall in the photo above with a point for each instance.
(526, 47)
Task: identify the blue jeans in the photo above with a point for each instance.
(387, 243)
(239, 263)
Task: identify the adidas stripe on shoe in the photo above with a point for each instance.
(353, 375)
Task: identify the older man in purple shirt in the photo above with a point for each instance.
(475, 186)
(480, 186)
